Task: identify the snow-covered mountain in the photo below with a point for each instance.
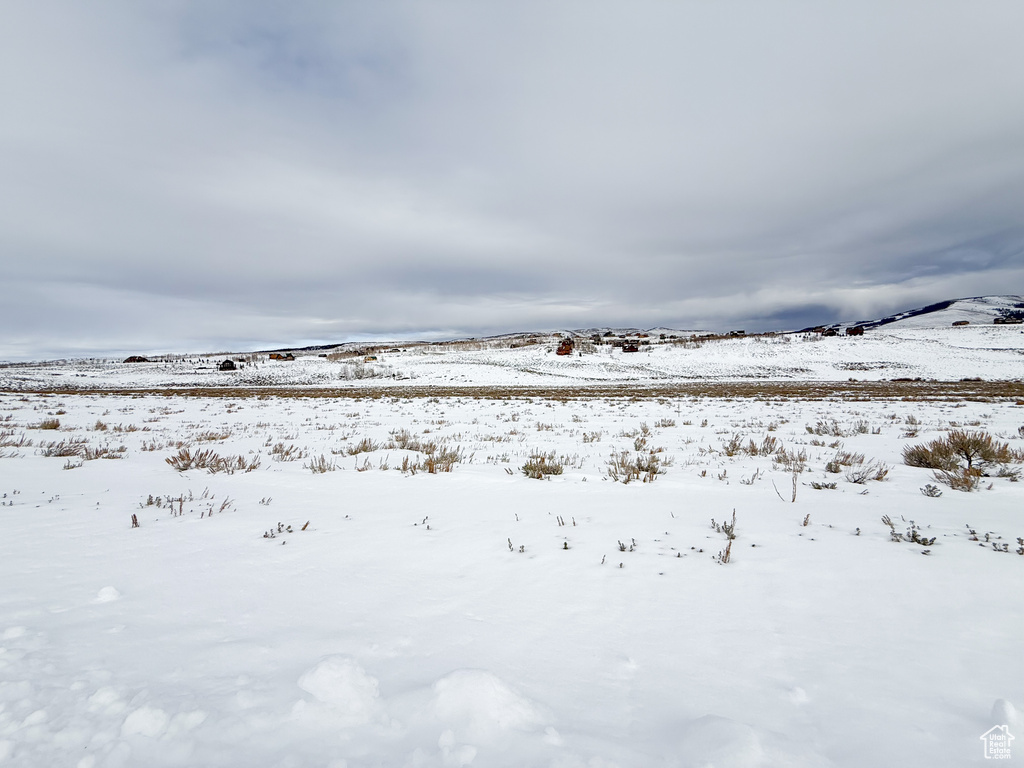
(975, 310)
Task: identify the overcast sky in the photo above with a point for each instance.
(197, 176)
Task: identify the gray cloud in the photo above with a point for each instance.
(190, 176)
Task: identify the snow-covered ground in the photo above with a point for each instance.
(894, 351)
(482, 617)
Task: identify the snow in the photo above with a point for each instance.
(368, 616)
(888, 352)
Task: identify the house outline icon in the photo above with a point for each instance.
(997, 742)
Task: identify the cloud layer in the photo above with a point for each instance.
(190, 176)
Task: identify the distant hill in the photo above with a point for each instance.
(976, 310)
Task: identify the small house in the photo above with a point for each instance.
(565, 347)
(228, 365)
(855, 330)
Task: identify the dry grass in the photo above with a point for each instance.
(912, 391)
(366, 445)
(861, 474)
(843, 459)
(321, 465)
(540, 465)
(104, 452)
(791, 461)
(282, 452)
(8, 440)
(441, 460)
(63, 448)
(211, 436)
(213, 463)
(624, 467)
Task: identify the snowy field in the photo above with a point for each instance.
(317, 596)
(891, 352)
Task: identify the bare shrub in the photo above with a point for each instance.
(103, 452)
(8, 440)
(320, 465)
(962, 458)
(912, 536)
(625, 468)
(848, 459)
(791, 461)
(48, 424)
(213, 463)
(960, 479)
(729, 529)
(621, 468)
(366, 445)
(63, 448)
(938, 454)
(404, 440)
(541, 464)
(443, 459)
(358, 371)
(980, 448)
(733, 446)
(827, 428)
(859, 475)
(282, 452)
(768, 446)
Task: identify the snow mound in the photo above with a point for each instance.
(145, 721)
(1004, 713)
(724, 743)
(342, 685)
(106, 700)
(107, 595)
(476, 704)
